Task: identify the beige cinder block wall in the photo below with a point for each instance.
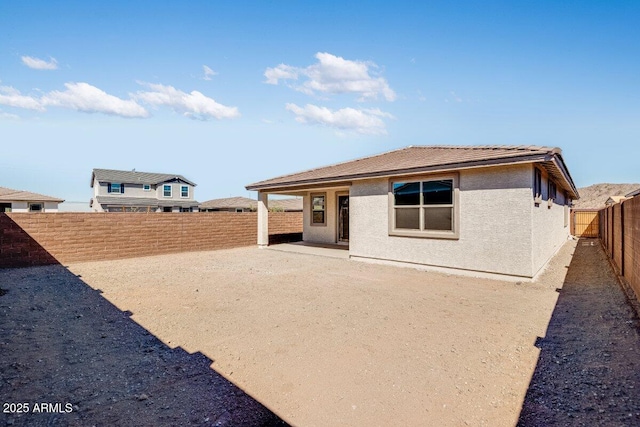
(495, 225)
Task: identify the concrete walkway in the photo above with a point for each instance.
(332, 251)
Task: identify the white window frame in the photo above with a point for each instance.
(430, 234)
(146, 187)
(164, 186)
(182, 187)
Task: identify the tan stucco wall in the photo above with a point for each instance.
(321, 233)
(547, 227)
(495, 224)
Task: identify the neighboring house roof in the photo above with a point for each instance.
(419, 159)
(615, 199)
(143, 201)
(135, 177)
(633, 193)
(10, 195)
(294, 204)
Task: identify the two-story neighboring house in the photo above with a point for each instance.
(133, 191)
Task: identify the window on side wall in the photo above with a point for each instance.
(318, 209)
(537, 185)
(424, 208)
(166, 190)
(146, 187)
(184, 191)
(552, 190)
(35, 207)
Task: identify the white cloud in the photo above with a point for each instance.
(194, 104)
(365, 121)
(335, 75)
(13, 98)
(9, 116)
(40, 64)
(281, 72)
(89, 99)
(208, 73)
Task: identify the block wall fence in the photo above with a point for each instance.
(28, 239)
(620, 234)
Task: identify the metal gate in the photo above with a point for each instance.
(584, 223)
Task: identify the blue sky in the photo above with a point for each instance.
(229, 93)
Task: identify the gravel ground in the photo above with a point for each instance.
(69, 357)
(588, 373)
(319, 341)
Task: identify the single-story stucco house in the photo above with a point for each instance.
(245, 204)
(25, 201)
(490, 209)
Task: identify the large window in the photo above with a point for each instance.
(184, 191)
(318, 209)
(424, 208)
(166, 190)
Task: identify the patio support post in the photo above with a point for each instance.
(263, 219)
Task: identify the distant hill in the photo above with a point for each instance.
(594, 196)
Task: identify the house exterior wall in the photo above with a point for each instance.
(19, 206)
(548, 230)
(495, 224)
(321, 233)
(175, 191)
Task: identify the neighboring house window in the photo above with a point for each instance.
(318, 209)
(114, 187)
(166, 190)
(184, 191)
(239, 210)
(146, 187)
(425, 208)
(35, 207)
(537, 183)
(185, 209)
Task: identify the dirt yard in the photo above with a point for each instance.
(316, 340)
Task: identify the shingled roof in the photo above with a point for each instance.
(420, 159)
(135, 177)
(293, 204)
(10, 195)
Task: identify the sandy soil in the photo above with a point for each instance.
(323, 341)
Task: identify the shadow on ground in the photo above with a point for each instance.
(62, 343)
(588, 372)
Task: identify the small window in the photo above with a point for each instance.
(115, 187)
(185, 209)
(537, 183)
(423, 208)
(35, 207)
(166, 190)
(318, 209)
(239, 210)
(553, 190)
(184, 191)
(146, 187)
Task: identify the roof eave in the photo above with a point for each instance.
(345, 179)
